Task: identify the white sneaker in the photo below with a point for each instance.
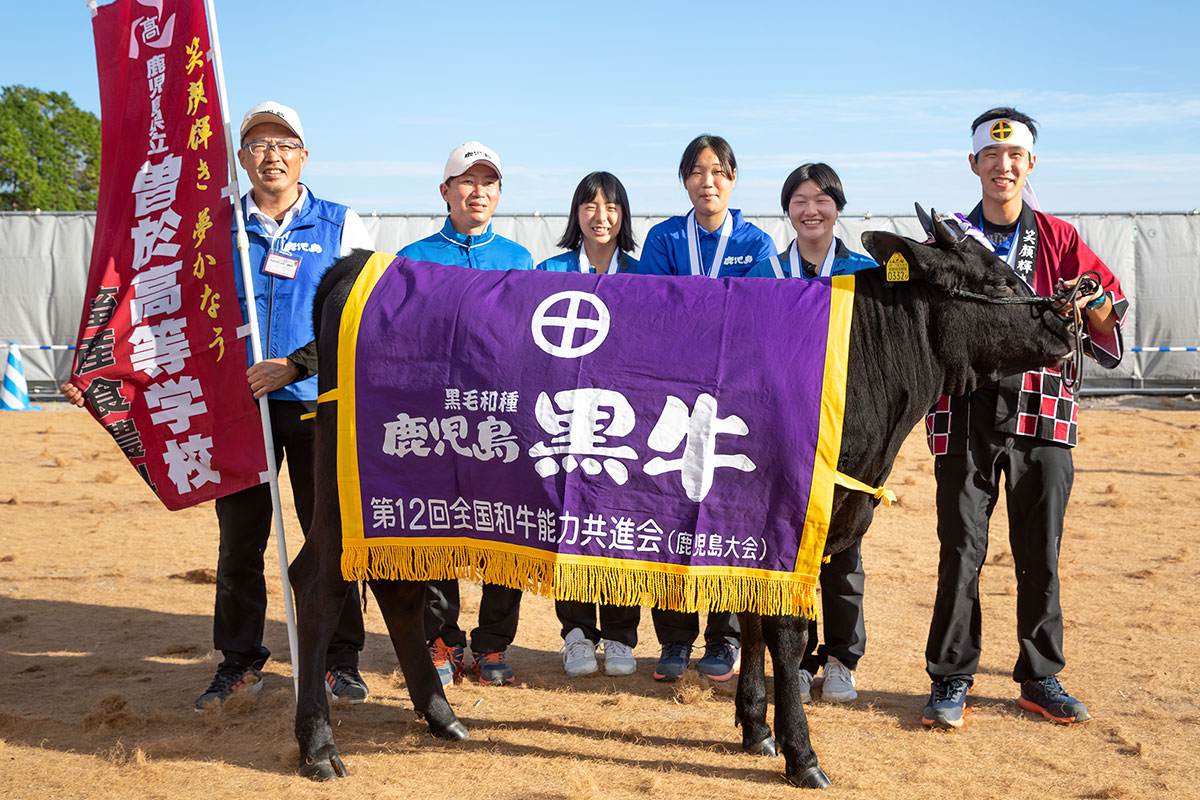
(806, 682)
(618, 658)
(579, 654)
(839, 682)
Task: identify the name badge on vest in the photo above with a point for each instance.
(282, 266)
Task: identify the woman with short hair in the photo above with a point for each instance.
(714, 240)
(813, 198)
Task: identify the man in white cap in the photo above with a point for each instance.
(471, 188)
(1021, 430)
(294, 237)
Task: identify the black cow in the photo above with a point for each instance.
(910, 341)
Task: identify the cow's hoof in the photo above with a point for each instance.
(811, 778)
(454, 732)
(327, 769)
(764, 748)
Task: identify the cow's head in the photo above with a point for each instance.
(975, 338)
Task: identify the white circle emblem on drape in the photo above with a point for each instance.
(569, 323)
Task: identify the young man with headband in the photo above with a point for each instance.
(1023, 427)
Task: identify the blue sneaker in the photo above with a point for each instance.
(946, 702)
(1046, 696)
(721, 660)
(673, 662)
(447, 660)
(492, 669)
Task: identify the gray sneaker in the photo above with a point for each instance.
(806, 682)
(839, 682)
(618, 658)
(578, 654)
(344, 683)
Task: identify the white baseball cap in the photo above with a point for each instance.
(271, 111)
(463, 157)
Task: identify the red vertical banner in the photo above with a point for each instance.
(161, 353)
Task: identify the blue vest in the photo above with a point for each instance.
(845, 262)
(665, 251)
(569, 262)
(285, 305)
(486, 251)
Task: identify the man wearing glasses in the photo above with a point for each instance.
(293, 239)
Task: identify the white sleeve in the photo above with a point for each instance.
(354, 234)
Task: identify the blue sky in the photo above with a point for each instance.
(884, 92)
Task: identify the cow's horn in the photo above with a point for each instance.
(926, 221)
(944, 231)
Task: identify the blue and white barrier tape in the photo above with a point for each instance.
(43, 346)
(1164, 349)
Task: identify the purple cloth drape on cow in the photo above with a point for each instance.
(615, 438)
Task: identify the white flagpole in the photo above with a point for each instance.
(243, 248)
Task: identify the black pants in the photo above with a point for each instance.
(684, 626)
(1038, 485)
(244, 519)
(845, 639)
(499, 611)
(617, 623)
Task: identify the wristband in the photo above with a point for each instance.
(1098, 303)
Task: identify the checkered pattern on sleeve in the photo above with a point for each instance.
(946, 425)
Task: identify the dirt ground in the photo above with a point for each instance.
(105, 641)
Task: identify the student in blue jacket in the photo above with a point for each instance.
(712, 239)
(471, 188)
(598, 239)
(812, 197)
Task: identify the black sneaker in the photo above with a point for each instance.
(1046, 696)
(230, 678)
(344, 683)
(946, 702)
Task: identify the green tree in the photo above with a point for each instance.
(49, 152)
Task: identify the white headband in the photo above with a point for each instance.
(1002, 131)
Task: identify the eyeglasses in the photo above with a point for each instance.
(284, 149)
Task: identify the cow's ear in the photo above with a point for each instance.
(903, 259)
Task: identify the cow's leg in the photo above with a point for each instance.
(320, 592)
(750, 702)
(402, 604)
(786, 638)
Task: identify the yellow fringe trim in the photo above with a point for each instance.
(624, 586)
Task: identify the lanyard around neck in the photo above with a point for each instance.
(585, 265)
(794, 263)
(693, 239)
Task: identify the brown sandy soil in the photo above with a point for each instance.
(105, 631)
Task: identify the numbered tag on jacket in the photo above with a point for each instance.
(282, 266)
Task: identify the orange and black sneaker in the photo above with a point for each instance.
(447, 660)
(492, 669)
(1046, 696)
(230, 678)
